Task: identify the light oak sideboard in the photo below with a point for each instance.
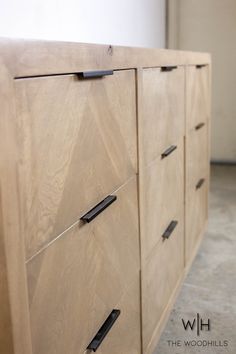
(104, 178)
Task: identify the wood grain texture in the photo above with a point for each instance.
(39, 57)
(197, 155)
(196, 215)
(76, 282)
(66, 144)
(197, 161)
(160, 275)
(162, 118)
(15, 335)
(198, 96)
(161, 197)
(79, 144)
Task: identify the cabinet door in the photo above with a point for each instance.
(85, 274)
(198, 98)
(162, 115)
(79, 144)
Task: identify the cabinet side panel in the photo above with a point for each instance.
(6, 343)
(14, 312)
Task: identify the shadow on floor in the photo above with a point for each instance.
(210, 287)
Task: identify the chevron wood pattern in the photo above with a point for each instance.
(79, 144)
(78, 280)
(66, 144)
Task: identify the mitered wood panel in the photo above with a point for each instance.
(80, 278)
(79, 144)
(58, 141)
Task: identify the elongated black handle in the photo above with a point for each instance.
(168, 68)
(94, 74)
(101, 334)
(168, 151)
(200, 183)
(199, 126)
(199, 66)
(170, 229)
(95, 211)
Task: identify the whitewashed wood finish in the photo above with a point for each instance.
(161, 196)
(21, 62)
(162, 120)
(79, 144)
(78, 280)
(160, 275)
(198, 101)
(14, 314)
(39, 57)
(196, 156)
(196, 215)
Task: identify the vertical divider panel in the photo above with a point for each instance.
(14, 319)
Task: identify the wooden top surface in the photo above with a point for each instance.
(29, 57)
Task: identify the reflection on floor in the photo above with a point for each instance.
(210, 287)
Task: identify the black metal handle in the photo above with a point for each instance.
(168, 151)
(170, 229)
(95, 211)
(199, 66)
(101, 334)
(199, 126)
(94, 74)
(200, 183)
(168, 68)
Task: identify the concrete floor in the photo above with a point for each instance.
(210, 287)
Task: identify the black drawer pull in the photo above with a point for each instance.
(170, 229)
(200, 183)
(94, 74)
(101, 334)
(199, 66)
(199, 126)
(168, 68)
(95, 211)
(168, 151)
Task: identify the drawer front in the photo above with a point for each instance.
(162, 118)
(84, 275)
(162, 196)
(197, 161)
(160, 277)
(198, 99)
(197, 182)
(196, 215)
(79, 144)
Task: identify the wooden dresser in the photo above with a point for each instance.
(104, 178)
